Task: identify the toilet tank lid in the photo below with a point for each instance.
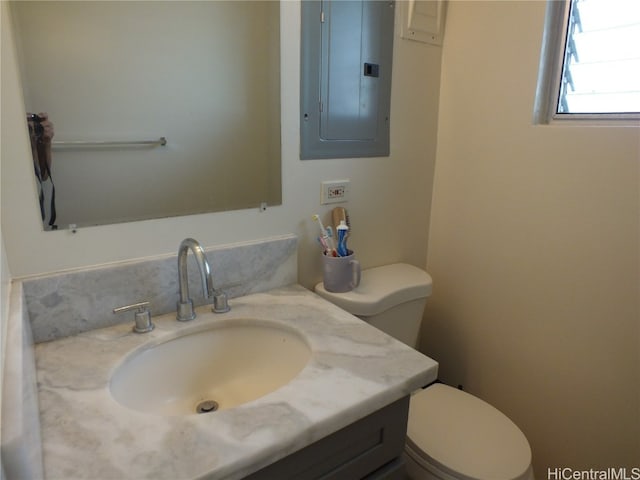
(382, 288)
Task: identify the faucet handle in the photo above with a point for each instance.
(220, 302)
(142, 316)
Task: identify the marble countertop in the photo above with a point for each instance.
(354, 370)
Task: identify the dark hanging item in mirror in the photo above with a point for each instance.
(40, 135)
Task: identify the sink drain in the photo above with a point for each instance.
(207, 406)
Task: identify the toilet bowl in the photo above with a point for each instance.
(451, 435)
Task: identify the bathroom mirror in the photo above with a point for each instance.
(203, 74)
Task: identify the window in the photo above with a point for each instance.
(590, 65)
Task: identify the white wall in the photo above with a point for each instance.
(534, 249)
(5, 289)
(7, 82)
(385, 191)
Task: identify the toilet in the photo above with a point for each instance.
(451, 435)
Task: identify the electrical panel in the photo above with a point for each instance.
(347, 53)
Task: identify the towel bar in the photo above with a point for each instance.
(109, 143)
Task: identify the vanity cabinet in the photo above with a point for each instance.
(369, 448)
(343, 417)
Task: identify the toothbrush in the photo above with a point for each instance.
(330, 232)
(324, 236)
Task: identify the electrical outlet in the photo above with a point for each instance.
(334, 191)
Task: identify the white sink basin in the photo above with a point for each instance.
(213, 369)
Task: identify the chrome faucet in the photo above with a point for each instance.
(185, 304)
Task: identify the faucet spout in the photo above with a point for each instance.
(185, 304)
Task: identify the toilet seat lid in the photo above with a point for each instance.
(466, 436)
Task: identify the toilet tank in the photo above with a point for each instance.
(391, 298)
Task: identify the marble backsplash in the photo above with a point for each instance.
(72, 302)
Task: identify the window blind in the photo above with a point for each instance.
(601, 68)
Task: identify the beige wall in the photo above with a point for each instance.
(534, 249)
(384, 191)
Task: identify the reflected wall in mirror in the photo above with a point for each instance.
(203, 74)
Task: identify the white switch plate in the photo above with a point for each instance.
(334, 191)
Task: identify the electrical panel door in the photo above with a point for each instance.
(347, 49)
